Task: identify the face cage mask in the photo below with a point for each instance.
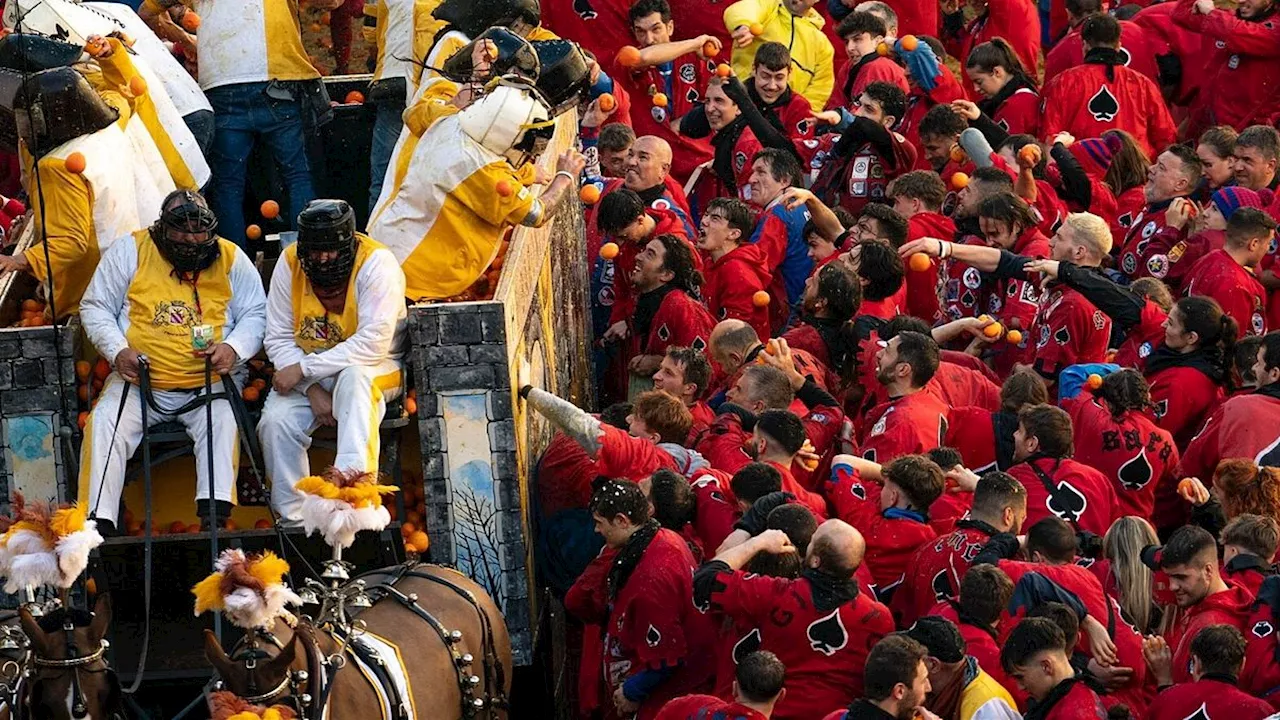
(187, 257)
(328, 274)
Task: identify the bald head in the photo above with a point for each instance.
(648, 163)
(730, 342)
(837, 549)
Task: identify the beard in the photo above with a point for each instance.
(884, 375)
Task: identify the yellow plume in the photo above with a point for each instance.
(67, 520)
(40, 529)
(314, 485)
(272, 714)
(270, 569)
(249, 716)
(365, 494)
(208, 594)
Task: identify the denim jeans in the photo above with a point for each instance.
(243, 114)
(386, 131)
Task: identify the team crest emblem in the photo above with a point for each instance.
(1175, 252)
(1234, 62)
(1044, 336)
(1144, 349)
(1158, 266)
(1136, 472)
(320, 331)
(1162, 408)
(972, 278)
(878, 428)
(1201, 713)
(994, 304)
(691, 96)
(858, 490)
(1257, 323)
(664, 333)
(688, 73)
(1148, 230)
(1129, 264)
(175, 313)
(659, 114)
(941, 586)
(1099, 320)
(739, 160)
(1062, 335)
(1029, 294)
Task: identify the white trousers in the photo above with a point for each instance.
(360, 395)
(109, 444)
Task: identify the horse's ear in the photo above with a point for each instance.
(217, 657)
(32, 628)
(282, 661)
(101, 617)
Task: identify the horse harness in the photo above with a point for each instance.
(26, 678)
(308, 691)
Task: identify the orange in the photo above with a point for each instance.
(355, 97)
(760, 298)
(957, 154)
(101, 370)
(590, 194)
(420, 541)
(259, 383)
(709, 49)
(504, 188)
(919, 262)
(660, 100)
(757, 29)
(771, 347)
(91, 587)
(909, 43)
(1094, 381)
(270, 209)
(250, 394)
(193, 528)
(1186, 487)
(411, 406)
(1014, 337)
(263, 524)
(959, 181)
(609, 251)
(137, 85)
(882, 49)
(190, 21)
(231, 525)
(177, 526)
(984, 318)
(315, 27)
(326, 42)
(1029, 154)
(96, 47)
(253, 232)
(75, 162)
(629, 56)
(408, 529)
(32, 306)
(83, 370)
(82, 392)
(994, 330)
(723, 70)
(607, 102)
(82, 419)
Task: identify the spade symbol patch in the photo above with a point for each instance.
(1103, 106)
(584, 9)
(1136, 472)
(858, 491)
(652, 636)
(1162, 408)
(1262, 628)
(1062, 335)
(827, 635)
(747, 645)
(1202, 713)
(664, 334)
(942, 586)
(1074, 501)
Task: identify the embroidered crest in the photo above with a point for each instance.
(320, 331)
(972, 278)
(1144, 349)
(1099, 320)
(688, 73)
(1176, 252)
(1258, 324)
(1147, 231)
(1129, 263)
(1158, 266)
(174, 313)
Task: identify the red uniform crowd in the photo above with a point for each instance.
(933, 360)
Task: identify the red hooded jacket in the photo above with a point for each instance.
(911, 424)
(922, 286)
(1090, 99)
(1017, 21)
(1212, 696)
(1245, 426)
(892, 535)
(1069, 52)
(730, 283)
(1073, 491)
(934, 572)
(1229, 607)
(1148, 242)
(1245, 58)
(1236, 289)
(666, 222)
(1069, 330)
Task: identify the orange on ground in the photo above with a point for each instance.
(355, 97)
(32, 305)
(607, 102)
(193, 528)
(959, 181)
(919, 262)
(231, 525)
(760, 298)
(590, 194)
(609, 251)
(408, 529)
(270, 209)
(250, 394)
(1014, 336)
(709, 49)
(660, 99)
(83, 370)
(1094, 381)
(629, 56)
(177, 526)
(75, 162)
(263, 524)
(253, 232)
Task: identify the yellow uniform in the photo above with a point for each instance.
(812, 72)
(354, 355)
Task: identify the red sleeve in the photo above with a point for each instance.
(722, 443)
(812, 500)
(1053, 108)
(587, 599)
(877, 72)
(1258, 39)
(772, 238)
(748, 598)
(1202, 455)
(621, 455)
(715, 515)
(653, 624)
(856, 502)
(1057, 60)
(822, 427)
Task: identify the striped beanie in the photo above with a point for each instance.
(1095, 154)
(1232, 198)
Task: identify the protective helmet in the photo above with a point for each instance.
(327, 225)
(565, 75)
(184, 212)
(515, 56)
(504, 121)
(30, 53)
(54, 106)
(472, 17)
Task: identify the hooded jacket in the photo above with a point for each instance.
(812, 55)
(730, 283)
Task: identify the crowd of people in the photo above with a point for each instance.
(931, 339)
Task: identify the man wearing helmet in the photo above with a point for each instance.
(335, 325)
(179, 295)
(445, 215)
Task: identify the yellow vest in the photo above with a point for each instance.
(163, 310)
(314, 328)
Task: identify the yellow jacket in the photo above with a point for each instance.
(812, 72)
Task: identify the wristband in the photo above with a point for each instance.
(567, 175)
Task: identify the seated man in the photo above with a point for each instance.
(334, 332)
(178, 294)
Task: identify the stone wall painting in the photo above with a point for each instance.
(475, 509)
(29, 445)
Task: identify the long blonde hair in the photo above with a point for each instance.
(1122, 545)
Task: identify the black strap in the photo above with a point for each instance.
(1052, 489)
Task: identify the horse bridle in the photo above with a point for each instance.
(73, 662)
(298, 685)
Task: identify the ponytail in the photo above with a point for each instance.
(1125, 390)
(1217, 330)
(995, 53)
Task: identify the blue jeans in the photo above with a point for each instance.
(386, 131)
(243, 114)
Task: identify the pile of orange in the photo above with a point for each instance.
(32, 314)
(412, 529)
(255, 388)
(89, 380)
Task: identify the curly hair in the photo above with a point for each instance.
(1244, 487)
(678, 258)
(1124, 391)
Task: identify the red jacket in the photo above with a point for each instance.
(651, 622)
(973, 431)
(1077, 702)
(1229, 607)
(981, 644)
(1245, 426)
(1090, 99)
(1085, 497)
(1133, 452)
(666, 222)
(920, 102)
(855, 78)
(1236, 289)
(911, 424)
(680, 321)
(1188, 47)
(1017, 21)
(1212, 696)
(711, 184)
(565, 472)
(960, 386)
(922, 287)
(1019, 111)
(863, 177)
(722, 447)
(1148, 242)
(686, 87)
(1245, 58)
(1014, 301)
(1261, 675)
(795, 117)
(730, 282)
(1069, 52)
(671, 199)
(698, 707)
(892, 536)
(1069, 330)
(934, 572)
(1184, 254)
(717, 510)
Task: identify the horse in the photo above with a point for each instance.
(434, 622)
(65, 674)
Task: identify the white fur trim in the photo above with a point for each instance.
(73, 552)
(20, 542)
(338, 522)
(33, 569)
(229, 557)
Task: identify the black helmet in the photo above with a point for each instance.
(30, 53)
(515, 56)
(49, 108)
(327, 225)
(565, 74)
(472, 17)
(186, 212)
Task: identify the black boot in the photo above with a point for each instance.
(221, 510)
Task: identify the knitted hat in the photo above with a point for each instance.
(1232, 198)
(1095, 154)
(939, 636)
